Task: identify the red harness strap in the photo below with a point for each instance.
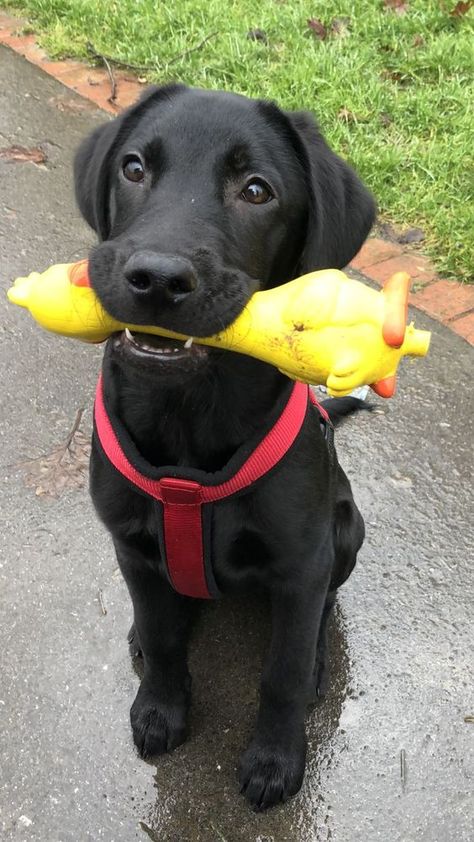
(183, 499)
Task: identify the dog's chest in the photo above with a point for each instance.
(240, 550)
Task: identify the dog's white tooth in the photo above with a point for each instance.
(128, 334)
(189, 342)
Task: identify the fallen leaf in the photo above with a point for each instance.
(401, 481)
(340, 27)
(64, 468)
(346, 116)
(21, 153)
(385, 119)
(395, 76)
(461, 9)
(394, 235)
(400, 7)
(411, 235)
(317, 28)
(65, 104)
(387, 232)
(257, 35)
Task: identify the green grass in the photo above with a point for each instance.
(395, 96)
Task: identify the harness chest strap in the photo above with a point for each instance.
(184, 541)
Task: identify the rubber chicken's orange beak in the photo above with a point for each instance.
(78, 273)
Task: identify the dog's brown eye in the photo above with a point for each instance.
(257, 192)
(132, 168)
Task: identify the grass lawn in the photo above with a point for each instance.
(393, 89)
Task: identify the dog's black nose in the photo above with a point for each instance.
(150, 274)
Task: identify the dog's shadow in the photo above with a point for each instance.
(197, 790)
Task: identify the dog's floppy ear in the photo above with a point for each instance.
(342, 209)
(91, 164)
(91, 176)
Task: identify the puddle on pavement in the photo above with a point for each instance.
(197, 796)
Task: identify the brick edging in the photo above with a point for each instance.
(449, 302)
(93, 83)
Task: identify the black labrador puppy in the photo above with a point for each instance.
(199, 199)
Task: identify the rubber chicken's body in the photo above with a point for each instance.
(323, 328)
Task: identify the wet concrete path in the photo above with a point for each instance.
(402, 639)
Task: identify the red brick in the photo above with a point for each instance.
(6, 37)
(128, 91)
(444, 300)
(61, 69)
(9, 22)
(418, 267)
(98, 93)
(374, 251)
(464, 327)
(78, 75)
(26, 43)
(20, 43)
(94, 84)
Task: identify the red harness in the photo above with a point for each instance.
(184, 522)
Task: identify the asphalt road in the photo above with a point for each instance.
(391, 755)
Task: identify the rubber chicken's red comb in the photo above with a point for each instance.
(395, 294)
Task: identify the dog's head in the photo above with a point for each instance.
(200, 198)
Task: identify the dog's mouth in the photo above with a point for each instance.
(159, 350)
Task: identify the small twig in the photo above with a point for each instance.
(74, 429)
(469, 718)
(118, 61)
(64, 447)
(15, 465)
(403, 768)
(199, 46)
(109, 60)
(100, 597)
(106, 62)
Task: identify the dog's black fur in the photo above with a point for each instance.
(199, 246)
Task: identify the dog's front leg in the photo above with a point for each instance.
(272, 767)
(162, 625)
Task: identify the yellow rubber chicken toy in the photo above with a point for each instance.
(323, 328)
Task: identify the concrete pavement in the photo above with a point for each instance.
(391, 755)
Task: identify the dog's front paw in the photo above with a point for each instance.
(157, 726)
(269, 774)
